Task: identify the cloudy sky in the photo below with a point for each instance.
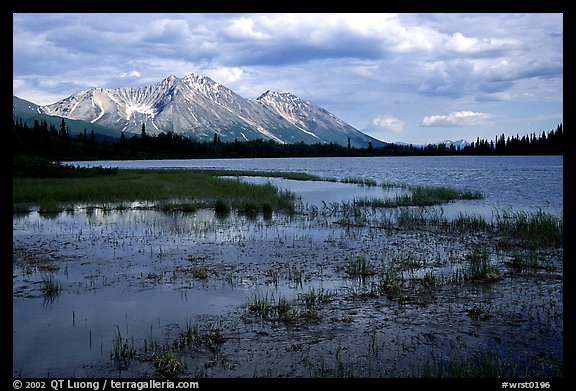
(416, 78)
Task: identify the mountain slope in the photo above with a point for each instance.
(314, 120)
(198, 107)
(29, 112)
(23, 106)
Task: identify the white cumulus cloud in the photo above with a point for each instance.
(456, 118)
(387, 123)
(130, 74)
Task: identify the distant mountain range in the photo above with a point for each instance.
(197, 107)
(458, 144)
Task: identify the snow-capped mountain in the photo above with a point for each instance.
(313, 119)
(198, 107)
(458, 144)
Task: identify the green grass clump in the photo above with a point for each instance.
(469, 223)
(521, 261)
(267, 308)
(123, 350)
(490, 366)
(314, 297)
(479, 267)
(195, 188)
(360, 267)
(360, 181)
(210, 337)
(168, 363)
(200, 272)
(420, 196)
(221, 207)
(430, 195)
(175, 206)
(50, 288)
(479, 366)
(389, 282)
(50, 207)
(296, 176)
(538, 229)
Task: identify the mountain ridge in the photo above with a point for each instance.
(198, 107)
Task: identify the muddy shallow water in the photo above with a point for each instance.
(309, 295)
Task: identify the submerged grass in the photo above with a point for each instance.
(196, 188)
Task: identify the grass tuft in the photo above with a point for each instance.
(168, 363)
(360, 267)
(479, 267)
(123, 350)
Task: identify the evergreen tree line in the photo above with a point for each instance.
(58, 144)
(550, 143)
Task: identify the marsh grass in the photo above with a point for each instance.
(485, 365)
(295, 274)
(420, 196)
(360, 267)
(535, 229)
(389, 282)
(196, 336)
(174, 206)
(200, 272)
(268, 308)
(532, 230)
(194, 189)
(479, 267)
(49, 207)
(360, 181)
(522, 261)
(168, 363)
(296, 176)
(315, 297)
(261, 305)
(50, 288)
(123, 350)
(454, 365)
(413, 217)
(430, 279)
(469, 223)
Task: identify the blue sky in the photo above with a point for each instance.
(416, 78)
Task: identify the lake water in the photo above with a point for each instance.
(526, 183)
(130, 273)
